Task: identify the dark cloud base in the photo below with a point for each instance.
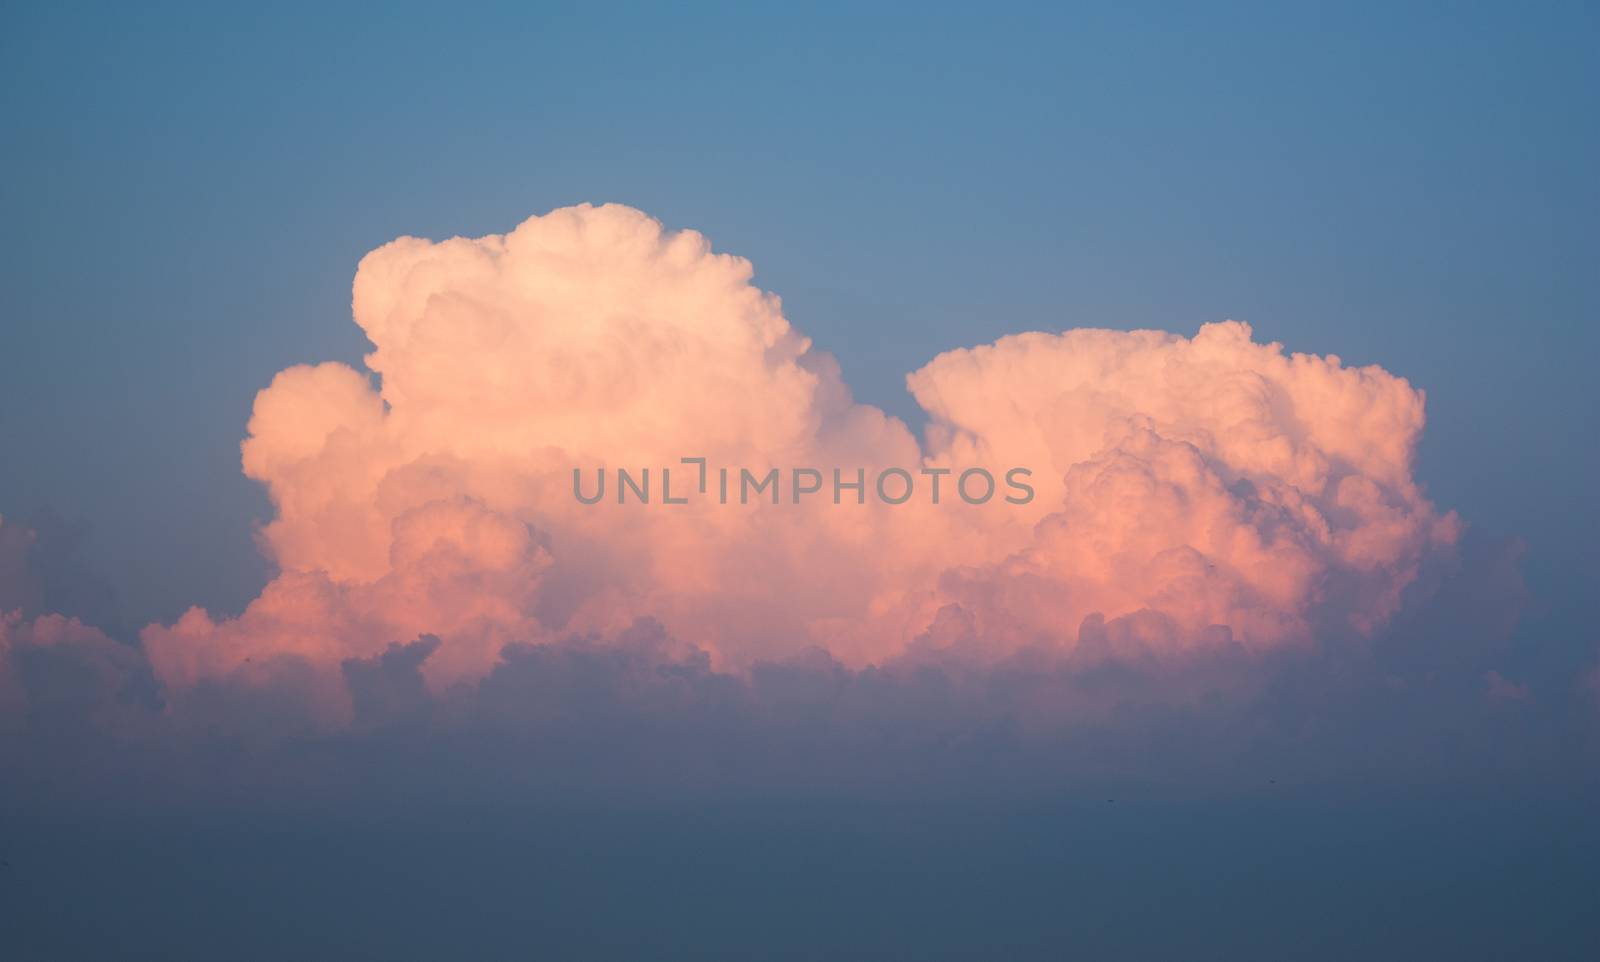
(1425, 793)
(1451, 694)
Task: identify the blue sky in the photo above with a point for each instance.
(187, 191)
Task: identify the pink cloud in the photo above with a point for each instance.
(1187, 489)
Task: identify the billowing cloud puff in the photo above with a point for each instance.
(63, 673)
(1188, 491)
(53, 668)
(1202, 482)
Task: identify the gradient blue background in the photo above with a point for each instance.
(186, 192)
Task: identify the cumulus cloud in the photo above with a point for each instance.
(1213, 481)
(57, 672)
(1190, 491)
(53, 667)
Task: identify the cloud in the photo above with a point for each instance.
(1214, 481)
(1500, 688)
(1190, 492)
(56, 672)
(1227, 562)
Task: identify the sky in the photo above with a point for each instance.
(192, 191)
